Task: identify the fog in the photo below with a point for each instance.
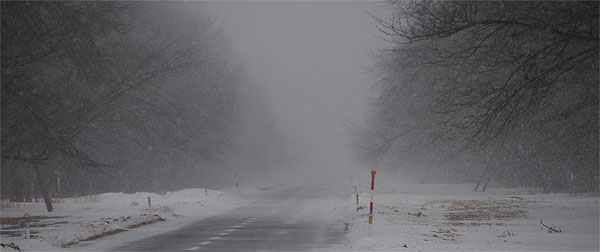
(255, 120)
(162, 96)
(310, 59)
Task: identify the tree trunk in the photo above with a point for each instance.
(478, 183)
(43, 190)
(476, 186)
(487, 181)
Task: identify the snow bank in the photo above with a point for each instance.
(91, 217)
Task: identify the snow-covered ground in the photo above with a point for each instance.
(407, 218)
(77, 222)
(453, 218)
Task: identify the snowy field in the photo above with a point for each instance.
(407, 218)
(453, 218)
(76, 223)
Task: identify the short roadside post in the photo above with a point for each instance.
(356, 192)
(371, 204)
(27, 233)
(149, 204)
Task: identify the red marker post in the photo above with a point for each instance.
(371, 205)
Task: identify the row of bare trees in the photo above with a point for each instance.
(476, 89)
(113, 96)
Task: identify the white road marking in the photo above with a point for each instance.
(237, 226)
(204, 242)
(231, 230)
(194, 248)
(214, 238)
(224, 233)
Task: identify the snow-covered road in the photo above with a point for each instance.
(283, 220)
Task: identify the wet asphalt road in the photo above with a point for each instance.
(271, 224)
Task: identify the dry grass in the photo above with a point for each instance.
(473, 212)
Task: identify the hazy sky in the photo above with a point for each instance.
(310, 58)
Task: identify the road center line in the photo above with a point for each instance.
(194, 248)
(224, 233)
(204, 242)
(214, 238)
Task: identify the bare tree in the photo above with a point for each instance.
(468, 73)
(498, 61)
(75, 74)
